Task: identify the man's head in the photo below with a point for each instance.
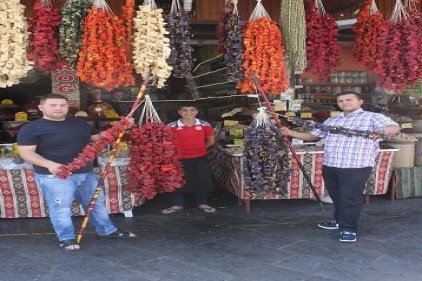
(54, 107)
(349, 101)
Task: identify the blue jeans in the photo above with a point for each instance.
(60, 193)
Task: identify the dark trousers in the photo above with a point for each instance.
(178, 198)
(345, 187)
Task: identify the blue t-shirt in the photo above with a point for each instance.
(58, 141)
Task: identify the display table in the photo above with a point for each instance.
(228, 172)
(20, 196)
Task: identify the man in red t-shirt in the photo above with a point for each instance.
(193, 136)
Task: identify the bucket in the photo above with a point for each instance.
(405, 157)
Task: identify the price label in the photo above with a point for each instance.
(236, 132)
(306, 115)
(406, 125)
(290, 114)
(228, 123)
(334, 113)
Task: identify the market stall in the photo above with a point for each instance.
(229, 173)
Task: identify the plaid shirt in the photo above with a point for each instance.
(352, 152)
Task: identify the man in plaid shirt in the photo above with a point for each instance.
(348, 160)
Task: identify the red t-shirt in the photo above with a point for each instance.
(191, 140)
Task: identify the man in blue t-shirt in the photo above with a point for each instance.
(51, 141)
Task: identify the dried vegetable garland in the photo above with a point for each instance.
(151, 47)
(322, 51)
(44, 39)
(154, 162)
(221, 28)
(103, 59)
(368, 30)
(233, 57)
(90, 152)
(293, 25)
(266, 160)
(128, 13)
(181, 51)
(264, 54)
(400, 46)
(14, 35)
(73, 15)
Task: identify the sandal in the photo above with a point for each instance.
(119, 234)
(69, 245)
(207, 209)
(172, 210)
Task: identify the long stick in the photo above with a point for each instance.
(279, 125)
(108, 165)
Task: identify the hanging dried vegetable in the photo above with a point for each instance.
(14, 35)
(322, 50)
(264, 54)
(154, 162)
(368, 30)
(221, 28)
(44, 39)
(103, 60)
(181, 51)
(293, 25)
(128, 13)
(73, 15)
(90, 152)
(151, 47)
(266, 159)
(399, 50)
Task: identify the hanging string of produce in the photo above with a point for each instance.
(367, 32)
(233, 56)
(70, 30)
(128, 13)
(322, 50)
(14, 63)
(180, 41)
(221, 27)
(151, 47)
(154, 163)
(264, 54)
(399, 62)
(103, 60)
(293, 25)
(266, 159)
(43, 46)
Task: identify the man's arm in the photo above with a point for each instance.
(209, 141)
(391, 130)
(27, 152)
(298, 135)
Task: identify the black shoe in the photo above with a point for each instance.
(329, 225)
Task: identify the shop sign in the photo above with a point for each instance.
(65, 82)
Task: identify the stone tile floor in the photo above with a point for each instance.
(278, 240)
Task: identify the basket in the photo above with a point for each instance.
(405, 157)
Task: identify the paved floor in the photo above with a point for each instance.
(278, 240)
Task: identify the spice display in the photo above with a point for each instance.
(399, 65)
(181, 51)
(154, 164)
(322, 51)
(151, 47)
(44, 38)
(293, 25)
(90, 152)
(73, 15)
(103, 60)
(229, 33)
(264, 54)
(14, 35)
(266, 159)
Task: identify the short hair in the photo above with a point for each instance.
(187, 104)
(52, 96)
(359, 96)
